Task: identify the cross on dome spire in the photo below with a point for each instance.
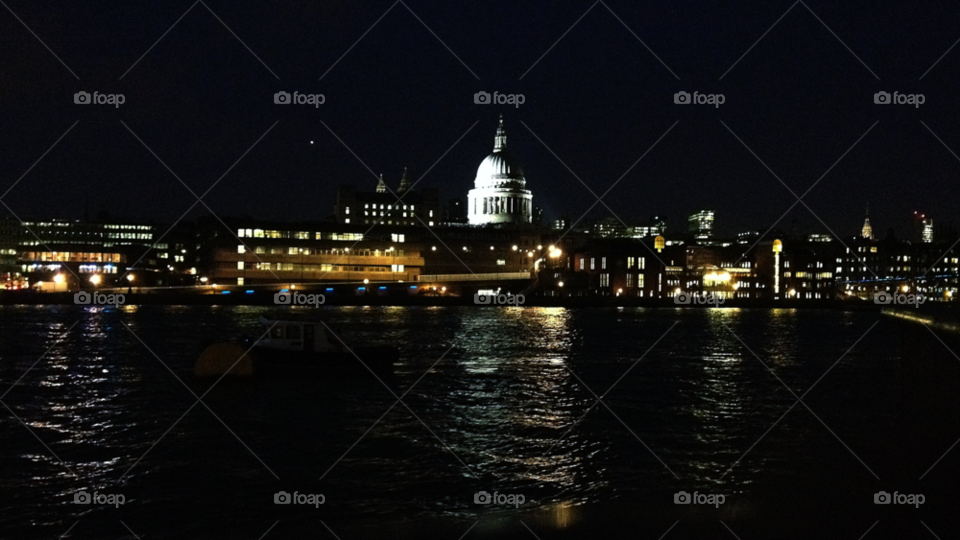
(500, 141)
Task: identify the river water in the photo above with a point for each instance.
(495, 400)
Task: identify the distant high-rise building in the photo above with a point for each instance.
(923, 228)
(655, 227)
(700, 225)
(867, 231)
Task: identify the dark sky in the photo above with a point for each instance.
(599, 99)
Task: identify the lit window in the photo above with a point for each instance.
(239, 265)
(241, 249)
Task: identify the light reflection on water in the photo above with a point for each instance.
(507, 399)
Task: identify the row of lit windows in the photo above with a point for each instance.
(260, 250)
(299, 235)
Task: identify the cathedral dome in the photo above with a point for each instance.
(499, 169)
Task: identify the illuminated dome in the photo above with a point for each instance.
(499, 195)
(500, 169)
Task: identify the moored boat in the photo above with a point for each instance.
(312, 345)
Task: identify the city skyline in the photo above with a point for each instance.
(418, 112)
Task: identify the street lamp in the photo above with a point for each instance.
(95, 279)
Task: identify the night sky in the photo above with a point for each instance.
(399, 98)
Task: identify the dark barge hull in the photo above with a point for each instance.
(377, 359)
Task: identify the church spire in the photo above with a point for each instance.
(500, 141)
(381, 186)
(867, 231)
(404, 182)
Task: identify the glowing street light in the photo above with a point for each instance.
(95, 279)
(130, 278)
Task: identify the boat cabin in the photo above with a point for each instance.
(298, 336)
